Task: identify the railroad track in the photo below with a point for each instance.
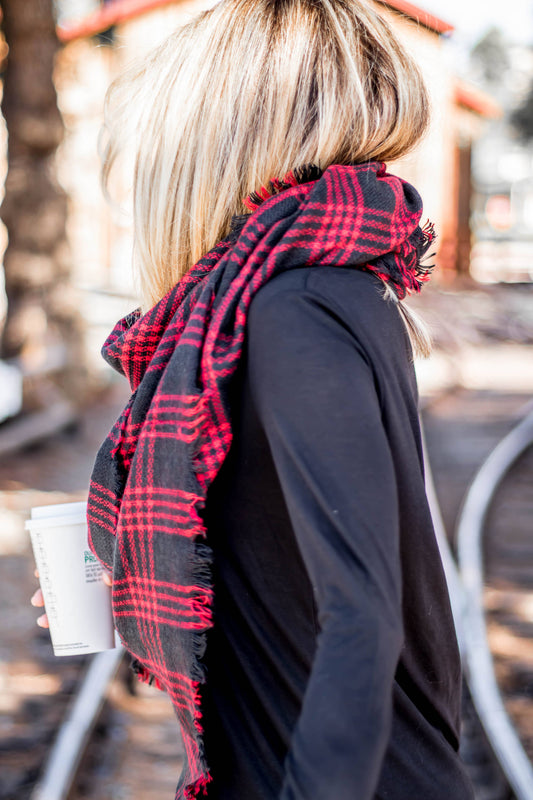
(491, 586)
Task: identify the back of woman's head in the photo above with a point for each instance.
(248, 91)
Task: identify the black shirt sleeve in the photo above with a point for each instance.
(315, 390)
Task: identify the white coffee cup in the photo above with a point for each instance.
(76, 600)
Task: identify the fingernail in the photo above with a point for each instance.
(42, 621)
(34, 598)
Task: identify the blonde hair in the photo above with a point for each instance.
(246, 92)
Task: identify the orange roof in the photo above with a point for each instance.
(122, 10)
(103, 18)
(422, 16)
(472, 98)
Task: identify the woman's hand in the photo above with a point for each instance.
(38, 601)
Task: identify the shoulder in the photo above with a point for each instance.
(350, 302)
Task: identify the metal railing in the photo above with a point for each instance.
(465, 584)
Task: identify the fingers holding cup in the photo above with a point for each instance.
(37, 599)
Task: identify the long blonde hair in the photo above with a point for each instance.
(246, 92)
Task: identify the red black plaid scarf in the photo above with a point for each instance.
(151, 476)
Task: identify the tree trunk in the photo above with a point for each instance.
(42, 323)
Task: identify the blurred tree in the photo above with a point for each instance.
(490, 55)
(522, 117)
(42, 323)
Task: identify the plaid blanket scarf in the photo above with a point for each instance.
(151, 476)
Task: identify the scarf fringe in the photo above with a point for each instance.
(144, 676)
(428, 236)
(202, 575)
(304, 174)
(199, 787)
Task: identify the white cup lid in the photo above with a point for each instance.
(57, 515)
(59, 510)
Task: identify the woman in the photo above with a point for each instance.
(261, 498)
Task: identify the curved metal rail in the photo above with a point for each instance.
(453, 579)
(481, 677)
(63, 761)
(466, 591)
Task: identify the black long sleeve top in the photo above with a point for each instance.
(333, 669)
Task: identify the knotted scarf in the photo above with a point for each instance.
(151, 476)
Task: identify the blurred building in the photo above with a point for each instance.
(441, 167)
(502, 207)
(104, 37)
